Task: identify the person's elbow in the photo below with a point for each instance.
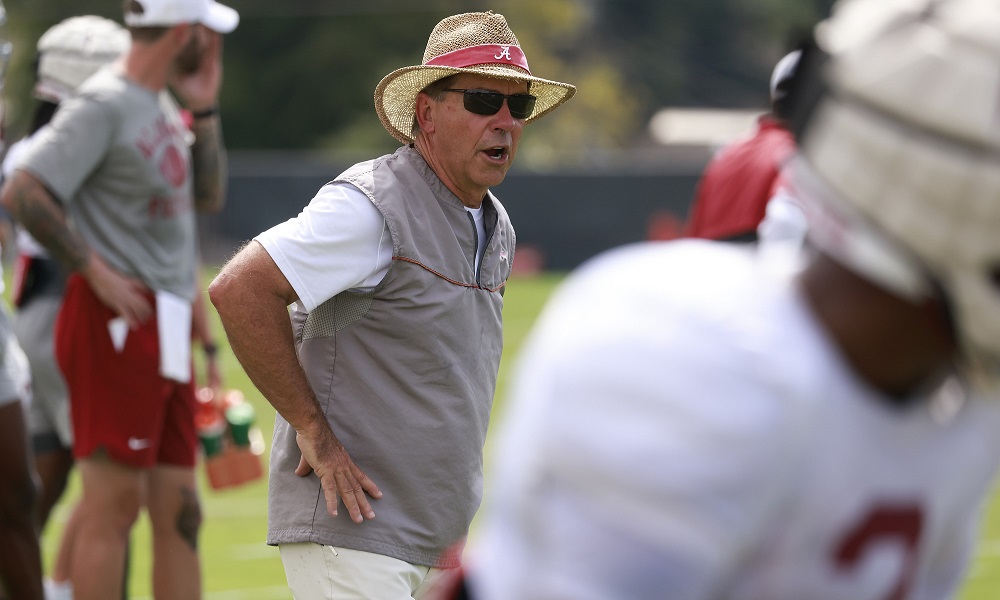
(7, 195)
(249, 283)
(20, 189)
(225, 293)
(219, 290)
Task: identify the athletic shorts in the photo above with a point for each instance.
(48, 419)
(120, 402)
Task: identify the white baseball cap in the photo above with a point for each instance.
(163, 13)
(783, 71)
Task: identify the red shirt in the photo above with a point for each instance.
(736, 185)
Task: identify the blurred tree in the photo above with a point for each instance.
(603, 114)
(299, 74)
(716, 53)
(27, 20)
(551, 34)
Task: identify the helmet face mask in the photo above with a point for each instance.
(902, 127)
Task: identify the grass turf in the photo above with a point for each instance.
(238, 565)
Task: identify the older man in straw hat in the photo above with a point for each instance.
(384, 381)
(819, 428)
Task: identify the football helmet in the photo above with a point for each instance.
(901, 143)
(73, 50)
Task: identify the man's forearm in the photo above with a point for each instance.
(262, 341)
(34, 207)
(255, 318)
(208, 157)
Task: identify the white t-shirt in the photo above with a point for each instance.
(117, 155)
(339, 242)
(681, 427)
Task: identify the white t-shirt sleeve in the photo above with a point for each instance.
(340, 241)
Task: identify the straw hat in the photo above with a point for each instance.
(480, 43)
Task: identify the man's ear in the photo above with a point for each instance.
(424, 112)
(181, 33)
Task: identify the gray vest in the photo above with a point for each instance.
(406, 373)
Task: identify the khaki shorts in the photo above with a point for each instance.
(316, 572)
(34, 325)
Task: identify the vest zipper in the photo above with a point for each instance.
(477, 263)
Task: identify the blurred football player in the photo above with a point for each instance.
(695, 420)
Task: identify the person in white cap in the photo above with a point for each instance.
(696, 420)
(120, 163)
(733, 191)
(396, 272)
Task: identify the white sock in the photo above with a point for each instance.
(58, 590)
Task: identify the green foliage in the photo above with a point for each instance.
(705, 52)
(237, 564)
(300, 74)
(983, 577)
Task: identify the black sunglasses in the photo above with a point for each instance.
(483, 102)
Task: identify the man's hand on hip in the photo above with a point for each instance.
(337, 473)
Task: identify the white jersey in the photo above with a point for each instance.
(681, 427)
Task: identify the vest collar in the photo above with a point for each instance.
(412, 157)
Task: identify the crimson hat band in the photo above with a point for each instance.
(482, 55)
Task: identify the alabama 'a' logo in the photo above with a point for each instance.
(173, 167)
(504, 53)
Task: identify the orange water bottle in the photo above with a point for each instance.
(210, 424)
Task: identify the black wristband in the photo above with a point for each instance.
(210, 349)
(204, 114)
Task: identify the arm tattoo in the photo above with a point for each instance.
(189, 517)
(43, 216)
(208, 158)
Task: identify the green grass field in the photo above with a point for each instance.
(237, 565)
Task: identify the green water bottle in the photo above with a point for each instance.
(240, 417)
(211, 429)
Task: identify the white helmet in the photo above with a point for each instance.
(905, 140)
(73, 50)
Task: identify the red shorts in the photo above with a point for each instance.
(119, 401)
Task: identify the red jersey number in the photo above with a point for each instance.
(898, 523)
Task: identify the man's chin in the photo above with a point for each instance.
(494, 176)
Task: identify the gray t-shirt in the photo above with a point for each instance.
(117, 157)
